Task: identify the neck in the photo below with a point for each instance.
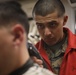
(19, 60)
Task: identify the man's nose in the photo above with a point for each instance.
(47, 31)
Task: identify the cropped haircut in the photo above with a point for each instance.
(11, 12)
(45, 7)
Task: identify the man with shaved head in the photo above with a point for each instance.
(58, 44)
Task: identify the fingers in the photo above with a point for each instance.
(35, 59)
(38, 61)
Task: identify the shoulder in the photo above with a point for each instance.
(36, 70)
(74, 37)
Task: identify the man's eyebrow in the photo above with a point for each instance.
(47, 22)
(52, 22)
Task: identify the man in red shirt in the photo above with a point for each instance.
(58, 44)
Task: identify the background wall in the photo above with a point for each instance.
(71, 15)
(27, 6)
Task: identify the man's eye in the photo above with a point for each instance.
(40, 26)
(53, 24)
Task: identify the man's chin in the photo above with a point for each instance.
(50, 43)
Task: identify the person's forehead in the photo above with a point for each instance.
(47, 18)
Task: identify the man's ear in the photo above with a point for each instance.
(18, 33)
(65, 20)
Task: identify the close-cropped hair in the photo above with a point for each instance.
(12, 13)
(45, 7)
